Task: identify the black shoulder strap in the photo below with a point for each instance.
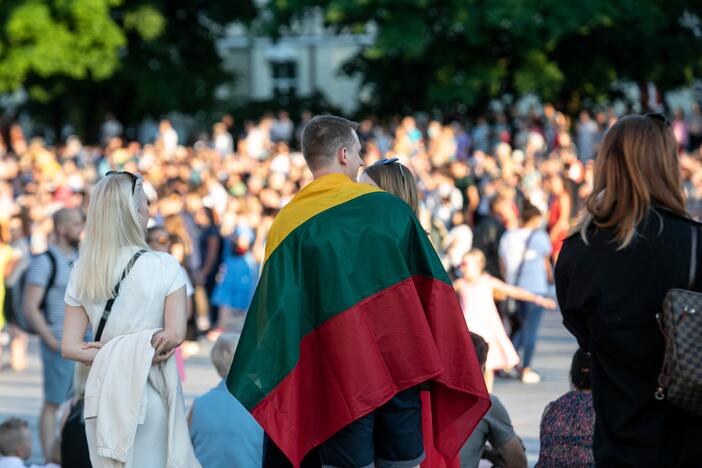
(111, 301)
(693, 257)
(50, 284)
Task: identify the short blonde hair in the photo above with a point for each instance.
(477, 253)
(11, 435)
(223, 351)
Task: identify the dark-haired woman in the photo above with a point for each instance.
(568, 422)
(632, 246)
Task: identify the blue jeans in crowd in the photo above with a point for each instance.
(525, 338)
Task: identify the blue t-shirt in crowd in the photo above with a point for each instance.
(513, 248)
(224, 434)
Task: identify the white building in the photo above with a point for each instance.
(297, 64)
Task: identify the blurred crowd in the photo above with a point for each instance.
(215, 199)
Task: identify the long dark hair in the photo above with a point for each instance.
(580, 370)
(636, 166)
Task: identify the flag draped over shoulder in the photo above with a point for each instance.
(353, 306)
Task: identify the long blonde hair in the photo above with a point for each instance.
(112, 223)
(636, 166)
(392, 176)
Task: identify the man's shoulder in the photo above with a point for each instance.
(375, 203)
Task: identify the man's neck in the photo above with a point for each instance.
(64, 247)
(327, 171)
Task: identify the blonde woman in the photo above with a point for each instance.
(392, 176)
(134, 408)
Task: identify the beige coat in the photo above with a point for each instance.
(116, 402)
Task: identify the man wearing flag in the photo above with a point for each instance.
(352, 312)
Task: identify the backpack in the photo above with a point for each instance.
(18, 295)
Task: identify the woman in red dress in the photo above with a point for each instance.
(559, 209)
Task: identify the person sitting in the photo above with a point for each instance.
(568, 423)
(16, 446)
(217, 418)
(495, 427)
(15, 443)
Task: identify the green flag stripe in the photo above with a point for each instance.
(325, 266)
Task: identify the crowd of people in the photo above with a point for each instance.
(497, 197)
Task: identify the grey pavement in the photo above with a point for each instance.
(20, 393)
(525, 403)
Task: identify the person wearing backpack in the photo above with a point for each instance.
(634, 244)
(43, 306)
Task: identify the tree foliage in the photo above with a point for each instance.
(75, 39)
(442, 53)
(82, 58)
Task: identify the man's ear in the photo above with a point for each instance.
(343, 156)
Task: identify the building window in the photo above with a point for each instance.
(284, 79)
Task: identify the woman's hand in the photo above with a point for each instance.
(92, 345)
(545, 302)
(164, 343)
(159, 358)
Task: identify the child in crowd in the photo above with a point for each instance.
(224, 434)
(476, 291)
(16, 445)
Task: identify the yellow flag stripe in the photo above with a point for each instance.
(322, 194)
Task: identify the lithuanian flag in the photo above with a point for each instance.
(353, 306)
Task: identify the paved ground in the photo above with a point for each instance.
(525, 403)
(20, 393)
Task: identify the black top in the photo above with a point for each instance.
(210, 231)
(609, 299)
(74, 444)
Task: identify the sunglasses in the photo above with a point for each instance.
(658, 118)
(386, 161)
(389, 161)
(133, 177)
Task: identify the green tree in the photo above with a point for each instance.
(444, 53)
(75, 39)
(132, 57)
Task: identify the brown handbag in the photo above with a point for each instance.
(680, 379)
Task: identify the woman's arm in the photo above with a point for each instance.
(521, 294)
(573, 318)
(174, 325)
(73, 346)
